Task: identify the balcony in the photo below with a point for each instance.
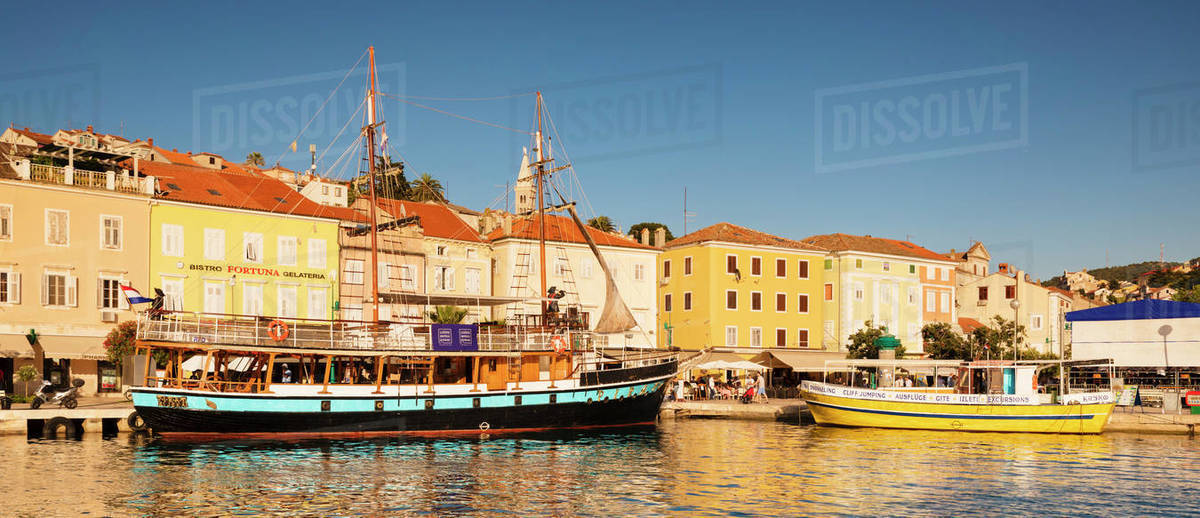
(95, 180)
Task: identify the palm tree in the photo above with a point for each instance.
(255, 158)
(447, 314)
(427, 188)
(601, 223)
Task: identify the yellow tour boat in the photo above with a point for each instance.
(1008, 402)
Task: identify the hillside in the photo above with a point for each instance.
(1128, 272)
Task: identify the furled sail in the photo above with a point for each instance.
(615, 317)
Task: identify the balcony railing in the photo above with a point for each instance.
(98, 180)
(47, 173)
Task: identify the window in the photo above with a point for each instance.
(687, 265)
(944, 274)
(780, 337)
(828, 291)
(667, 269)
(731, 264)
(1035, 322)
(287, 250)
(59, 289)
(887, 267)
(316, 253)
(885, 294)
(687, 301)
(802, 336)
(354, 271)
(470, 253)
(639, 272)
(287, 301)
(252, 298)
(755, 337)
(408, 280)
(1010, 292)
(585, 269)
(858, 263)
(667, 302)
(214, 244)
(10, 287)
(214, 297)
(108, 294)
(353, 313)
(802, 269)
(443, 278)
(912, 268)
(441, 250)
(829, 264)
(756, 266)
(383, 274)
(324, 189)
(6, 222)
(756, 301)
(858, 291)
(945, 302)
(317, 308)
(110, 232)
(730, 299)
(58, 227)
(983, 293)
(337, 191)
(781, 302)
(172, 294)
(252, 247)
(781, 267)
(731, 336)
(802, 303)
(930, 302)
(561, 267)
(172, 240)
(471, 278)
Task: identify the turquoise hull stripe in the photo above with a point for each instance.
(285, 404)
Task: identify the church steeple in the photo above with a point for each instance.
(525, 191)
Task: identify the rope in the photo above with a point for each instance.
(463, 117)
(496, 98)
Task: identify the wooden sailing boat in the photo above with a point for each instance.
(455, 378)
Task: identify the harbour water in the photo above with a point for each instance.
(685, 467)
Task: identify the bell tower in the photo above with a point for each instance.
(525, 192)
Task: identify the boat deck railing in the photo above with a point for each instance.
(234, 330)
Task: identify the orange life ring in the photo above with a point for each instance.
(559, 343)
(277, 330)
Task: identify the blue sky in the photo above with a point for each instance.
(721, 99)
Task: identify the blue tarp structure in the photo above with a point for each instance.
(1137, 310)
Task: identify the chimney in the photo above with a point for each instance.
(506, 223)
(645, 236)
(150, 141)
(660, 236)
(89, 129)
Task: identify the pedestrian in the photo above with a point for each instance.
(287, 375)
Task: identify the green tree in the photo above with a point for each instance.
(447, 314)
(942, 342)
(427, 188)
(602, 223)
(862, 343)
(390, 182)
(26, 374)
(996, 340)
(255, 158)
(1192, 295)
(651, 226)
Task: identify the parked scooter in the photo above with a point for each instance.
(65, 398)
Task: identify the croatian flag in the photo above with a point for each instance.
(133, 296)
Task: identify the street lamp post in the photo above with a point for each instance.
(1016, 306)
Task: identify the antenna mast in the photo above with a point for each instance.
(541, 170)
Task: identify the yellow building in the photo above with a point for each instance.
(233, 241)
(730, 286)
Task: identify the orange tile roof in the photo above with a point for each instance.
(730, 233)
(876, 245)
(436, 219)
(194, 184)
(969, 324)
(562, 229)
(40, 138)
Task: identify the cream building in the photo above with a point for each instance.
(1041, 310)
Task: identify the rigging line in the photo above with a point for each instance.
(421, 98)
(567, 159)
(327, 99)
(463, 117)
(309, 123)
(343, 130)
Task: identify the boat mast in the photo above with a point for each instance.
(370, 130)
(541, 169)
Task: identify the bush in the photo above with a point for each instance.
(120, 341)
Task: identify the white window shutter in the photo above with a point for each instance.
(14, 288)
(45, 289)
(99, 293)
(450, 278)
(72, 291)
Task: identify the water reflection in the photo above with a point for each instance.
(693, 467)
